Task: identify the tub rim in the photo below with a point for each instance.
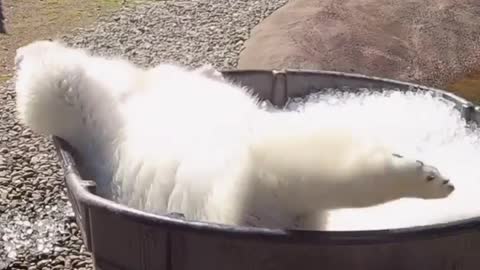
(79, 189)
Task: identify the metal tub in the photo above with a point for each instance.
(123, 238)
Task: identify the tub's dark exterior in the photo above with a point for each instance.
(124, 238)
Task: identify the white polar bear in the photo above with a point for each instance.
(168, 139)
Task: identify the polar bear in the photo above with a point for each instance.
(171, 139)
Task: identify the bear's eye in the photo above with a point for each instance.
(430, 177)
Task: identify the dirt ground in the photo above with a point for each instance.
(28, 20)
(468, 87)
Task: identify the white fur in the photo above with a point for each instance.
(189, 141)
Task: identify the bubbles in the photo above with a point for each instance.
(417, 124)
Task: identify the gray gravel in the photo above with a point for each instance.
(37, 227)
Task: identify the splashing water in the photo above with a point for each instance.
(415, 124)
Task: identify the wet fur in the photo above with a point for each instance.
(171, 139)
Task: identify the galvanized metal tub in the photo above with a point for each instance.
(123, 238)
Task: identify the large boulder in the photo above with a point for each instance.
(431, 42)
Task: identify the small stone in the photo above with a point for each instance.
(80, 263)
(43, 263)
(26, 133)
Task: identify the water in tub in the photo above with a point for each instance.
(417, 124)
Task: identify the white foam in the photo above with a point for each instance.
(421, 125)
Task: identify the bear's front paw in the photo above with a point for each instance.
(427, 179)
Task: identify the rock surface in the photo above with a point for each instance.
(432, 42)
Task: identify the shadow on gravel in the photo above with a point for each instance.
(2, 18)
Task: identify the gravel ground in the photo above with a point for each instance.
(38, 229)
